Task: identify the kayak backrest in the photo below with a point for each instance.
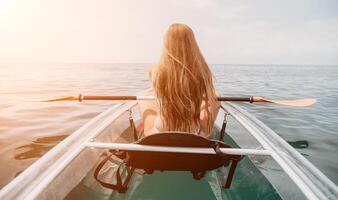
(177, 139)
(150, 161)
(198, 164)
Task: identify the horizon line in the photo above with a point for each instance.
(60, 63)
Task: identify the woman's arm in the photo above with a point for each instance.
(214, 108)
(148, 112)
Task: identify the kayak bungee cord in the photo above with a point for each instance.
(250, 99)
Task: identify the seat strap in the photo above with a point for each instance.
(224, 125)
(132, 126)
(231, 173)
(119, 186)
(226, 158)
(220, 154)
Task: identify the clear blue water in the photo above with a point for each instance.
(29, 128)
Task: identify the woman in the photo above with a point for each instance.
(183, 86)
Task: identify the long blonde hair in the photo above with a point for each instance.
(182, 80)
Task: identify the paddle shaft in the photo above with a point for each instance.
(81, 98)
(251, 99)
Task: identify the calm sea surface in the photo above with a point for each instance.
(29, 128)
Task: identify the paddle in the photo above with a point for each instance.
(294, 103)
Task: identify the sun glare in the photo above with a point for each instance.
(5, 6)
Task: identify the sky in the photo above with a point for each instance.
(115, 31)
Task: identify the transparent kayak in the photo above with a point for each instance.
(66, 171)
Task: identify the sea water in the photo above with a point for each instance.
(29, 127)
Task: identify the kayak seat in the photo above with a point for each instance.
(198, 164)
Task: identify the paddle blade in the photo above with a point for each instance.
(295, 103)
(70, 98)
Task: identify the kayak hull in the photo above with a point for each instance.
(66, 171)
(248, 180)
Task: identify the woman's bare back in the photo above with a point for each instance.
(150, 113)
